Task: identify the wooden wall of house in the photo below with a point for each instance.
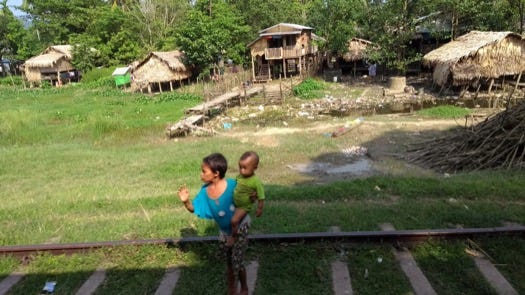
(32, 74)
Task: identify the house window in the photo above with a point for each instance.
(275, 43)
(291, 40)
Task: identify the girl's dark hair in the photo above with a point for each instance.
(217, 163)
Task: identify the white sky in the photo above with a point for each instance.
(11, 3)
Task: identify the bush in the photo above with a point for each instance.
(12, 81)
(308, 89)
(97, 78)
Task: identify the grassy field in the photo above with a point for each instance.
(91, 163)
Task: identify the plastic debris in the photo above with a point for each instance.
(355, 151)
(49, 287)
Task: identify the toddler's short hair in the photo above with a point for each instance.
(249, 154)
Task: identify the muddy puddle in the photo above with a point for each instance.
(351, 168)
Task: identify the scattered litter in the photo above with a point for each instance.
(303, 114)
(355, 151)
(379, 259)
(49, 287)
(347, 127)
(473, 252)
(366, 273)
(377, 188)
(227, 125)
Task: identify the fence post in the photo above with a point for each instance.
(281, 90)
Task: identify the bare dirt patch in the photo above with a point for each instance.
(374, 147)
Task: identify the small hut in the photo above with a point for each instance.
(122, 76)
(53, 65)
(356, 54)
(159, 71)
(475, 56)
(356, 49)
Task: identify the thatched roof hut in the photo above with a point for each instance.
(49, 64)
(356, 49)
(477, 55)
(160, 67)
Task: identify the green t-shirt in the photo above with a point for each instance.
(244, 189)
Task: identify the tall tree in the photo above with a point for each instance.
(392, 26)
(337, 21)
(112, 33)
(156, 20)
(11, 32)
(518, 6)
(213, 33)
(55, 20)
(263, 14)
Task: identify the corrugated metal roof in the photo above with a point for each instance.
(120, 71)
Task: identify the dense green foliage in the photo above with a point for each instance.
(124, 31)
(308, 89)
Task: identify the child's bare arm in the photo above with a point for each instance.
(184, 196)
(260, 206)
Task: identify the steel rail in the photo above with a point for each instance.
(400, 236)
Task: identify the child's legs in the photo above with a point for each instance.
(237, 258)
(226, 252)
(238, 215)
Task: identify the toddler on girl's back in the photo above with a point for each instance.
(248, 185)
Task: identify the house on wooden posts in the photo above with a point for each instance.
(160, 71)
(54, 65)
(283, 50)
(477, 58)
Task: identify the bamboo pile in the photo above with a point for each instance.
(496, 143)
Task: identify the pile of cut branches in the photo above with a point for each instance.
(498, 142)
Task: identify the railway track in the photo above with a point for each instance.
(342, 275)
(401, 236)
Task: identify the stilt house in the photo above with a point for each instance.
(477, 57)
(54, 65)
(160, 71)
(283, 50)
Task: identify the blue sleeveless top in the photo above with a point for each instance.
(220, 209)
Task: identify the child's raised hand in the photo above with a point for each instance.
(183, 193)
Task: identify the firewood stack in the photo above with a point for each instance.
(496, 143)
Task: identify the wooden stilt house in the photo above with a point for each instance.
(283, 50)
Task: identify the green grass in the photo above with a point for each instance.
(449, 269)
(88, 162)
(445, 112)
(374, 270)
